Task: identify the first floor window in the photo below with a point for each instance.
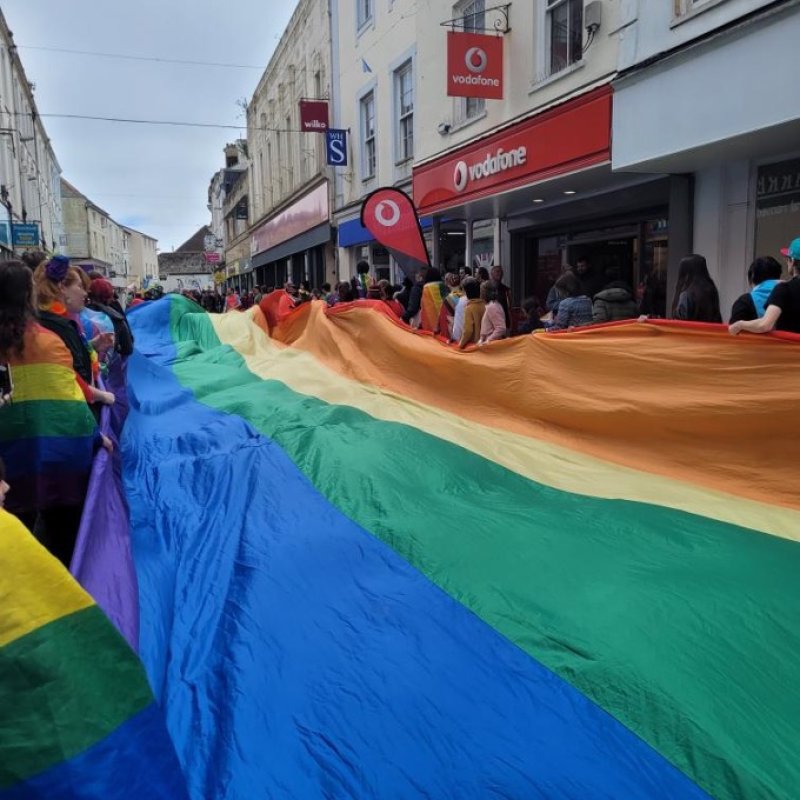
(404, 93)
(473, 20)
(564, 33)
(368, 154)
(364, 12)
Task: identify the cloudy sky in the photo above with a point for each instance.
(151, 178)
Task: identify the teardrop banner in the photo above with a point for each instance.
(391, 217)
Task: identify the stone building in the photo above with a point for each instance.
(187, 267)
(289, 194)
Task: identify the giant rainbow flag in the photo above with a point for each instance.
(372, 566)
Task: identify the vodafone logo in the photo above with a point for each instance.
(491, 164)
(476, 60)
(460, 176)
(474, 65)
(393, 217)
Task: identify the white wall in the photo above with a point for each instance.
(735, 85)
(384, 45)
(723, 214)
(177, 283)
(652, 27)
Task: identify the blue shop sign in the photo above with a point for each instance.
(25, 234)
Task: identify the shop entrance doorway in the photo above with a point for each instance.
(634, 252)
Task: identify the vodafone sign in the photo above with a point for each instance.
(560, 140)
(474, 65)
(481, 168)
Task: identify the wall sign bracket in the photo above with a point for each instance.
(500, 23)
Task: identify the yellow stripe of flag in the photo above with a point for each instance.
(35, 589)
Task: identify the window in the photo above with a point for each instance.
(473, 14)
(777, 205)
(564, 33)
(686, 8)
(363, 13)
(289, 153)
(368, 153)
(404, 109)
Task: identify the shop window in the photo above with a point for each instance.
(473, 20)
(564, 27)
(404, 110)
(777, 207)
(368, 145)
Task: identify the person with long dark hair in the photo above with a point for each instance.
(47, 432)
(696, 296)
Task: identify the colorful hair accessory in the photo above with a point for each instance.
(57, 268)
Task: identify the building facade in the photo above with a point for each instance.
(289, 192)
(376, 86)
(187, 267)
(30, 188)
(92, 238)
(142, 258)
(526, 181)
(731, 125)
(87, 228)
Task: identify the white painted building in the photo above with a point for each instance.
(376, 80)
(30, 188)
(710, 90)
(288, 189)
(525, 181)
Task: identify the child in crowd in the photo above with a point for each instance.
(532, 320)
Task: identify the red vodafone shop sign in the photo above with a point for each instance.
(569, 137)
(474, 65)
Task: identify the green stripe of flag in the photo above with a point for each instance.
(46, 418)
(64, 687)
(683, 628)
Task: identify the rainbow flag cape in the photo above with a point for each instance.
(48, 433)
(373, 566)
(77, 717)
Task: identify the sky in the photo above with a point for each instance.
(151, 178)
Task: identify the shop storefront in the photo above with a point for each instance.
(538, 195)
(741, 157)
(295, 243)
(356, 244)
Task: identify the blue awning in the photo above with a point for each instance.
(353, 233)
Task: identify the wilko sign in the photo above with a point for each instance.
(474, 65)
(492, 164)
(314, 116)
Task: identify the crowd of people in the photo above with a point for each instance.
(63, 329)
(469, 309)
